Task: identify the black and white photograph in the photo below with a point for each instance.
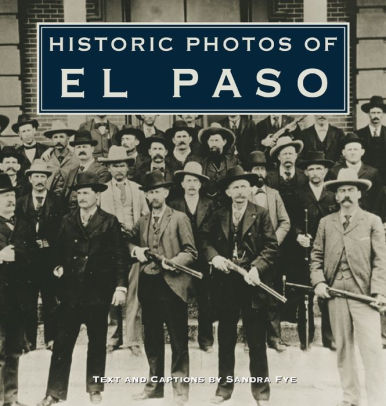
(192, 259)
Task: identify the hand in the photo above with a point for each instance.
(268, 141)
(380, 302)
(321, 290)
(304, 240)
(166, 266)
(46, 155)
(119, 298)
(139, 253)
(253, 277)
(58, 271)
(220, 263)
(7, 254)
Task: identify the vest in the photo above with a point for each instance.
(154, 241)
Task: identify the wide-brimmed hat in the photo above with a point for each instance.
(154, 180)
(9, 151)
(237, 173)
(315, 158)
(58, 126)
(216, 128)
(5, 183)
(83, 137)
(256, 158)
(89, 179)
(351, 137)
(116, 154)
(155, 138)
(375, 101)
(130, 131)
(24, 119)
(348, 176)
(38, 166)
(178, 125)
(284, 142)
(191, 168)
(4, 121)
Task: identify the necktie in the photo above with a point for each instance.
(234, 126)
(81, 168)
(287, 175)
(39, 200)
(276, 123)
(236, 217)
(155, 222)
(122, 188)
(60, 158)
(375, 133)
(347, 221)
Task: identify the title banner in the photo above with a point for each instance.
(202, 68)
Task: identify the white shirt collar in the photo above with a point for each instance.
(234, 123)
(89, 214)
(242, 210)
(88, 164)
(282, 171)
(273, 121)
(343, 218)
(316, 190)
(181, 156)
(356, 166)
(372, 129)
(160, 215)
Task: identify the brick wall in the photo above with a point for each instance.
(288, 11)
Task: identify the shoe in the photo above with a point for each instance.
(208, 349)
(279, 347)
(216, 400)
(111, 348)
(50, 345)
(95, 397)
(303, 347)
(144, 396)
(48, 401)
(135, 350)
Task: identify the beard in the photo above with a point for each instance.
(260, 181)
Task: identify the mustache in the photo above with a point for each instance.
(82, 153)
(260, 181)
(158, 156)
(346, 199)
(59, 144)
(182, 143)
(10, 204)
(40, 184)
(10, 168)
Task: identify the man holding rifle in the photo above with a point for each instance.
(163, 290)
(349, 253)
(241, 232)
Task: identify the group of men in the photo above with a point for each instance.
(112, 222)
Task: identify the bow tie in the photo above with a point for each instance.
(9, 221)
(29, 147)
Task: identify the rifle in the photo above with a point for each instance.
(283, 130)
(306, 296)
(343, 294)
(159, 258)
(234, 267)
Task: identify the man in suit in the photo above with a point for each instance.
(318, 202)
(30, 149)
(11, 165)
(42, 211)
(92, 266)
(242, 232)
(103, 132)
(217, 141)
(349, 253)
(147, 125)
(199, 210)
(270, 199)
(163, 292)
(374, 135)
(127, 202)
(323, 136)
(83, 148)
(353, 151)
(191, 122)
(14, 265)
(289, 180)
(244, 130)
(59, 158)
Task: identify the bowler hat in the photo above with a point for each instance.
(375, 101)
(315, 158)
(5, 183)
(216, 128)
(178, 125)
(9, 151)
(256, 158)
(116, 154)
(89, 179)
(155, 138)
(38, 166)
(83, 137)
(154, 180)
(284, 142)
(58, 127)
(237, 173)
(191, 168)
(130, 131)
(351, 137)
(4, 121)
(24, 119)
(348, 176)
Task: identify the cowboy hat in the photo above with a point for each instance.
(178, 125)
(237, 173)
(214, 129)
(5, 183)
(154, 180)
(315, 158)
(348, 176)
(89, 179)
(83, 137)
(9, 151)
(4, 121)
(38, 166)
(130, 131)
(116, 154)
(284, 142)
(375, 101)
(191, 168)
(24, 119)
(58, 127)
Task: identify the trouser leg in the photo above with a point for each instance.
(205, 326)
(133, 309)
(115, 330)
(327, 337)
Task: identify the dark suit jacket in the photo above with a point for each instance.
(176, 243)
(25, 163)
(332, 145)
(258, 240)
(370, 199)
(94, 258)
